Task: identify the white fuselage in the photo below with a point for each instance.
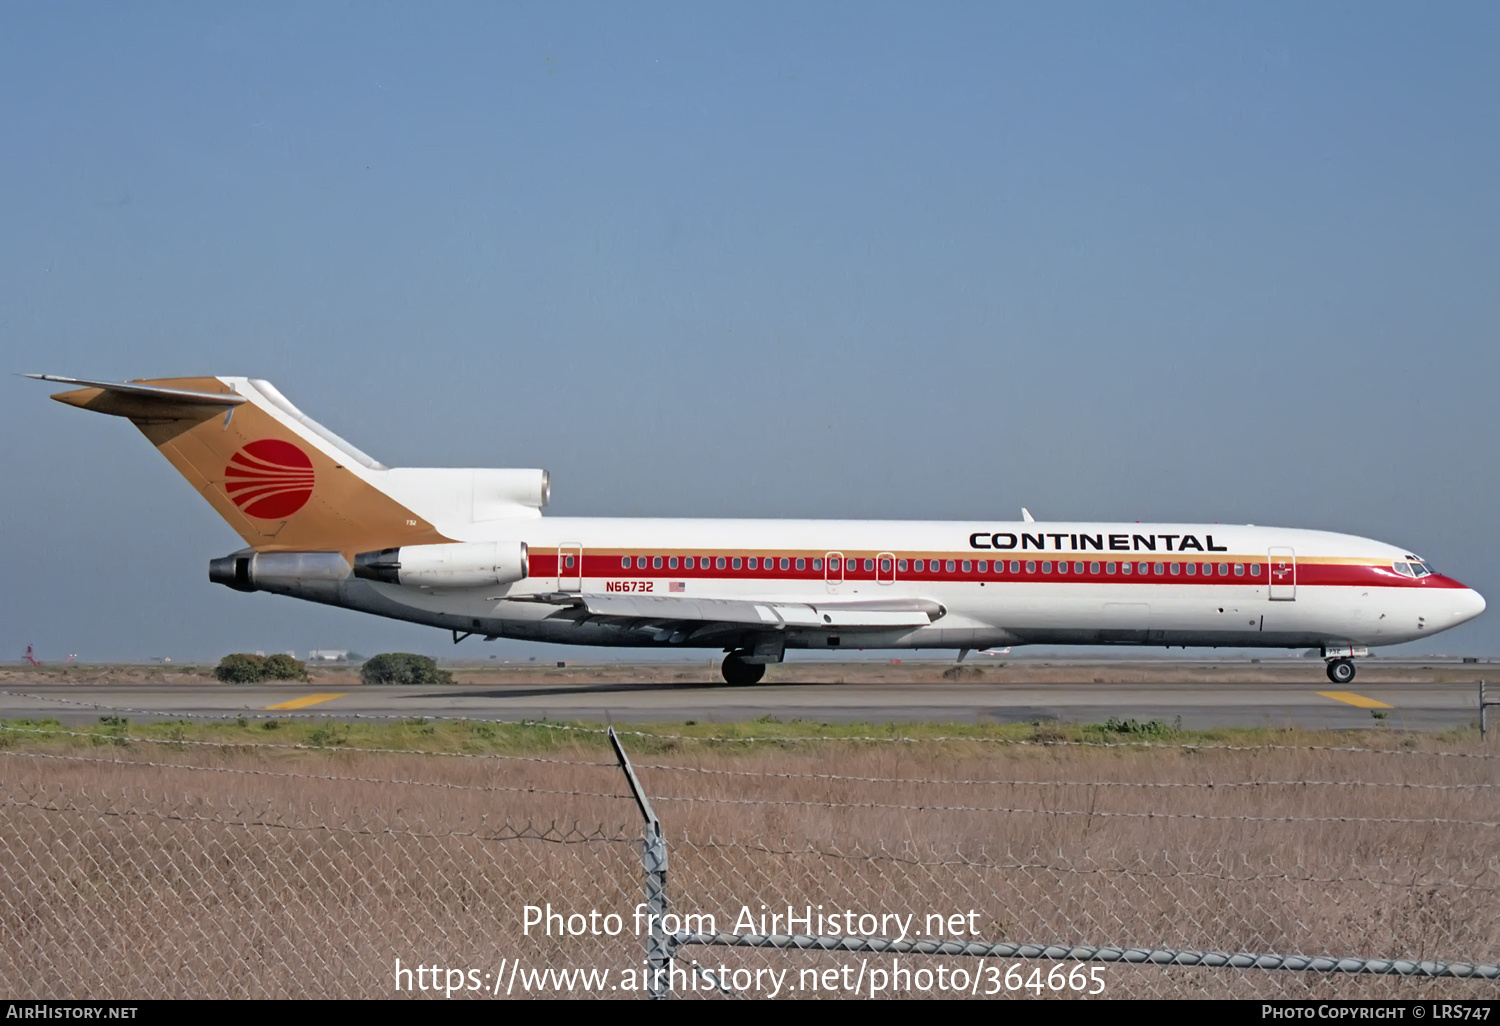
(1057, 583)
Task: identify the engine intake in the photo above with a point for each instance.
(452, 565)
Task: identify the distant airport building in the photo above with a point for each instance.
(328, 655)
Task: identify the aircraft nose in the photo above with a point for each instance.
(1469, 604)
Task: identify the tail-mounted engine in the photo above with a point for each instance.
(453, 565)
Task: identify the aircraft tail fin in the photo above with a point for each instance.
(281, 480)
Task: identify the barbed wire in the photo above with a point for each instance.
(306, 776)
(294, 746)
(529, 832)
(1207, 784)
(974, 860)
(1073, 812)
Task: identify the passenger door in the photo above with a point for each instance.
(1283, 574)
(570, 568)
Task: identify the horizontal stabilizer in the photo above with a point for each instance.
(169, 396)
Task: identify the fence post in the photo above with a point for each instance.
(654, 859)
(1483, 706)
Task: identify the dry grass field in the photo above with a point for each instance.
(234, 868)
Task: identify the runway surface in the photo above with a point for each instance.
(1200, 706)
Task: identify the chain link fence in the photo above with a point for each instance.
(148, 869)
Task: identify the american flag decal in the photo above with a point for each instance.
(677, 586)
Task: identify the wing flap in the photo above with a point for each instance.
(773, 614)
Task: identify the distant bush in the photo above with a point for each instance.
(283, 667)
(244, 668)
(403, 668)
(241, 668)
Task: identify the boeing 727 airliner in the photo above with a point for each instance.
(470, 552)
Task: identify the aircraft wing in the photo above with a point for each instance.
(739, 614)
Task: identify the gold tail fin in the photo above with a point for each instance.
(282, 482)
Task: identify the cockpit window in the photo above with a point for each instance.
(1414, 569)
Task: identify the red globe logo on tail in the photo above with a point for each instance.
(269, 479)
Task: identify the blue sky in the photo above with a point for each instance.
(1110, 261)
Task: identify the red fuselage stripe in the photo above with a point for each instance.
(1307, 574)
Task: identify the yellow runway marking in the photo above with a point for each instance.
(1353, 699)
(303, 703)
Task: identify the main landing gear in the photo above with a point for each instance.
(738, 673)
(1341, 671)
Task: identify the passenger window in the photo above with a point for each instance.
(833, 564)
(968, 566)
(950, 566)
(801, 563)
(1062, 566)
(885, 566)
(753, 563)
(1254, 569)
(672, 563)
(719, 563)
(1109, 568)
(1094, 568)
(1223, 569)
(736, 562)
(1046, 566)
(817, 564)
(869, 565)
(1078, 568)
(1161, 568)
(1239, 569)
(901, 566)
(786, 563)
(1176, 569)
(625, 562)
(656, 562)
(687, 563)
(640, 562)
(1192, 569)
(568, 562)
(983, 566)
(1031, 566)
(918, 565)
(1015, 566)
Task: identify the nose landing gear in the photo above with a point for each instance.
(1341, 671)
